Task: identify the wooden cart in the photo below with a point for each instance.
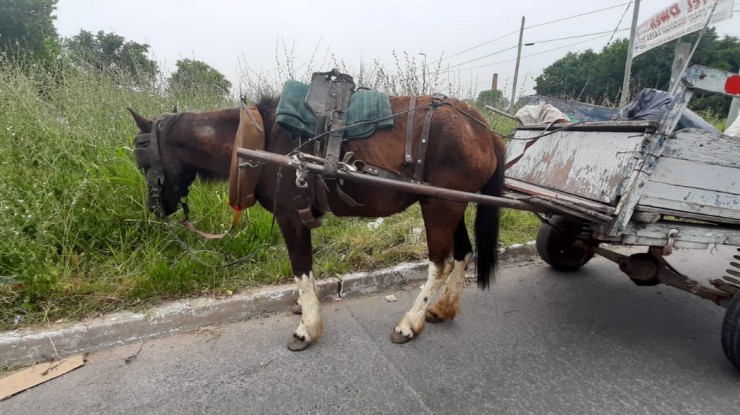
(638, 183)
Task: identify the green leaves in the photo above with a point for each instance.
(194, 78)
(111, 53)
(597, 77)
(27, 31)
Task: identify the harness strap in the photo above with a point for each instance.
(424, 142)
(408, 159)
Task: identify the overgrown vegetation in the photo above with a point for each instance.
(596, 77)
(76, 238)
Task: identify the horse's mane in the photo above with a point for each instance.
(266, 103)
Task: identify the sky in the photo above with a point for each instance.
(470, 40)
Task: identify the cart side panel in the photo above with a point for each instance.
(699, 174)
(588, 164)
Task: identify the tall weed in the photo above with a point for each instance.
(76, 238)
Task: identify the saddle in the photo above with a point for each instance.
(328, 111)
(328, 98)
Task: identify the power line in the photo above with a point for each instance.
(576, 36)
(483, 57)
(619, 23)
(476, 46)
(577, 15)
(449, 68)
(567, 46)
(532, 54)
(528, 27)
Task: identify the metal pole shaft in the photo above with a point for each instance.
(516, 68)
(424, 76)
(416, 188)
(628, 65)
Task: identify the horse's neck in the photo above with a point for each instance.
(210, 156)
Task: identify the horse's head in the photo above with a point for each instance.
(159, 158)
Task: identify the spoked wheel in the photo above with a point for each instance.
(731, 331)
(557, 244)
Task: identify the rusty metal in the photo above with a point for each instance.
(416, 188)
(729, 283)
(651, 268)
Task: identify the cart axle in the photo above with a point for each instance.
(651, 268)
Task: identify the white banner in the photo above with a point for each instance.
(678, 19)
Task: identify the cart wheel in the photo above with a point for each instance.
(556, 244)
(731, 331)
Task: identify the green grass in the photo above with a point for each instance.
(76, 239)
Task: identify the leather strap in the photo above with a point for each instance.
(424, 141)
(408, 159)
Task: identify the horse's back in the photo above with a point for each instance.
(460, 145)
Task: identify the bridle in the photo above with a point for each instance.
(147, 151)
(148, 154)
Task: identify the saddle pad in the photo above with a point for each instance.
(365, 105)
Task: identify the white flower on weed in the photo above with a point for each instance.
(375, 224)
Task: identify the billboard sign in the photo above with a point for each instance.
(678, 19)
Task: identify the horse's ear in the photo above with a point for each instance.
(174, 110)
(144, 124)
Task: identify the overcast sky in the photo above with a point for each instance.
(224, 33)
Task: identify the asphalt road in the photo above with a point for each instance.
(538, 342)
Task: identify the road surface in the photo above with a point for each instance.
(538, 342)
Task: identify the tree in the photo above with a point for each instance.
(27, 30)
(194, 77)
(597, 77)
(109, 52)
(492, 97)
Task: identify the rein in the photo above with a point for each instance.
(193, 254)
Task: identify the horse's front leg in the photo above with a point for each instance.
(298, 241)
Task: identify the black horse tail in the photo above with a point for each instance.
(487, 223)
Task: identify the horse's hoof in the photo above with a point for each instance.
(433, 318)
(399, 338)
(296, 309)
(297, 345)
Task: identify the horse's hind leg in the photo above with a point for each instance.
(441, 219)
(449, 302)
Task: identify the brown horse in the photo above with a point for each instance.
(462, 154)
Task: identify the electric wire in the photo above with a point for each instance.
(528, 27)
(619, 23)
(575, 16)
(598, 35)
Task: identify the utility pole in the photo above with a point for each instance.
(424, 74)
(516, 69)
(628, 65)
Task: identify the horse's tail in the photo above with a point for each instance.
(487, 222)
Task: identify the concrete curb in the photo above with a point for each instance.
(27, 346)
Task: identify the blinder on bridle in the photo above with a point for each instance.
(149, 159)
